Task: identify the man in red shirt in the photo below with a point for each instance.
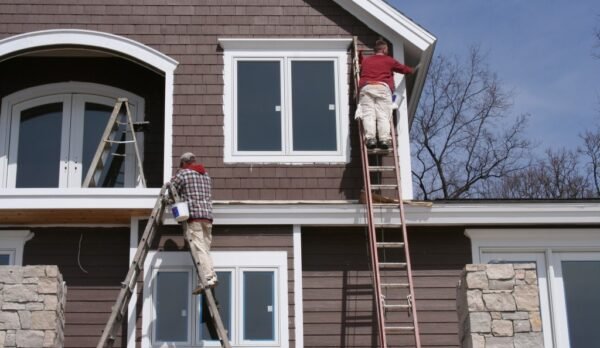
(375, 100)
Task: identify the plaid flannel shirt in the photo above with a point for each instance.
(194, 188)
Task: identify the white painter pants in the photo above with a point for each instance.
(375, 109)
(200, 233)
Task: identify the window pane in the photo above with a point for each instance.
(4, 259)
(172, 294)
(258, 102)
(582, 288)
(40, 135)
(95, 120)
(313, 106)
(222, 295)
(259, 306)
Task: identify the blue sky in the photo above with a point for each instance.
(540, 49)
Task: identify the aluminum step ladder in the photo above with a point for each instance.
(400, 271)
(120, 130)
(119, 310)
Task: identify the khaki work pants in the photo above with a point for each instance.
(200, 233)
(375, 109)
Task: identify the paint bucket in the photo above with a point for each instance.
(180, 211)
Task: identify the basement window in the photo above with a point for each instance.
(285, 100)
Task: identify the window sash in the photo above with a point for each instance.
(190, 312)
(7, 257)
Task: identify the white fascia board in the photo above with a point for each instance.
(284, 44)
(93, 198)
(383, 18)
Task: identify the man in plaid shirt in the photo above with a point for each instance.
(194, 186)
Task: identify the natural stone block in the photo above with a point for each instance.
(515, 316)
(50, 303)
(477, 341)
(535, 319)
(50, 339)
(501, 284)
(477, 280)
(13, 306)
(475, 267)
(522, 326)
(480, 322)
(524, 266)
(498, 342)
(48, 286)
(531, 277)
(11, 275)
(502, 328)
(11, 339)
(34, 306)
(519, 274)
(30, 338)
(496, 315)
(10, 320)
(527, 298)
(529, 340)
(2, 338)
(34, 271)
(501, 271)
(500, 302)
(43, 320)
(20, 293)
(475, 301)
(25, 319)
(52, 271)
(32, 280)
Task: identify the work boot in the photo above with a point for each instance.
(385, 144)
(371, 143)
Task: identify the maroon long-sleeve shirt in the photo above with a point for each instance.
(380, 68)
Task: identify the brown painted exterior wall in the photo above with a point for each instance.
(104, 255)
(188, 31)
(338, 296)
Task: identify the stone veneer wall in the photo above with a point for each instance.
(32, 306)
(499, 306)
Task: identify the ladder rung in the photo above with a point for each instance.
(386, 205)
(384, 186)
(392, 264)
(396, 306)
(378, 151)
(118, 154)
(395, 285)
(381, 168)
(400, 328)
(119, 141)
(390, 245)
(384, 225)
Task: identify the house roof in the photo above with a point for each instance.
(417, 42)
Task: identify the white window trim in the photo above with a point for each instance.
(286, 49)
(105, 41)
(12, 242)
(547, 247)
(65, 92)
(242, 260)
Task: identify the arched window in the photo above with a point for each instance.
(50, 134)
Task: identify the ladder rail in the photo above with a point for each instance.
(411, 287)
(370, 219)
(135, 146)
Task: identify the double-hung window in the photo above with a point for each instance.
(285, 100)
(252, 296)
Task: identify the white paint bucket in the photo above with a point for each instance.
(180, 211)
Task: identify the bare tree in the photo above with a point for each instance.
(556, 176)
(464, 133)
(591, 153)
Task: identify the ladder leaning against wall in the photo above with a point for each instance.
(388, 248)
(119, 310)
